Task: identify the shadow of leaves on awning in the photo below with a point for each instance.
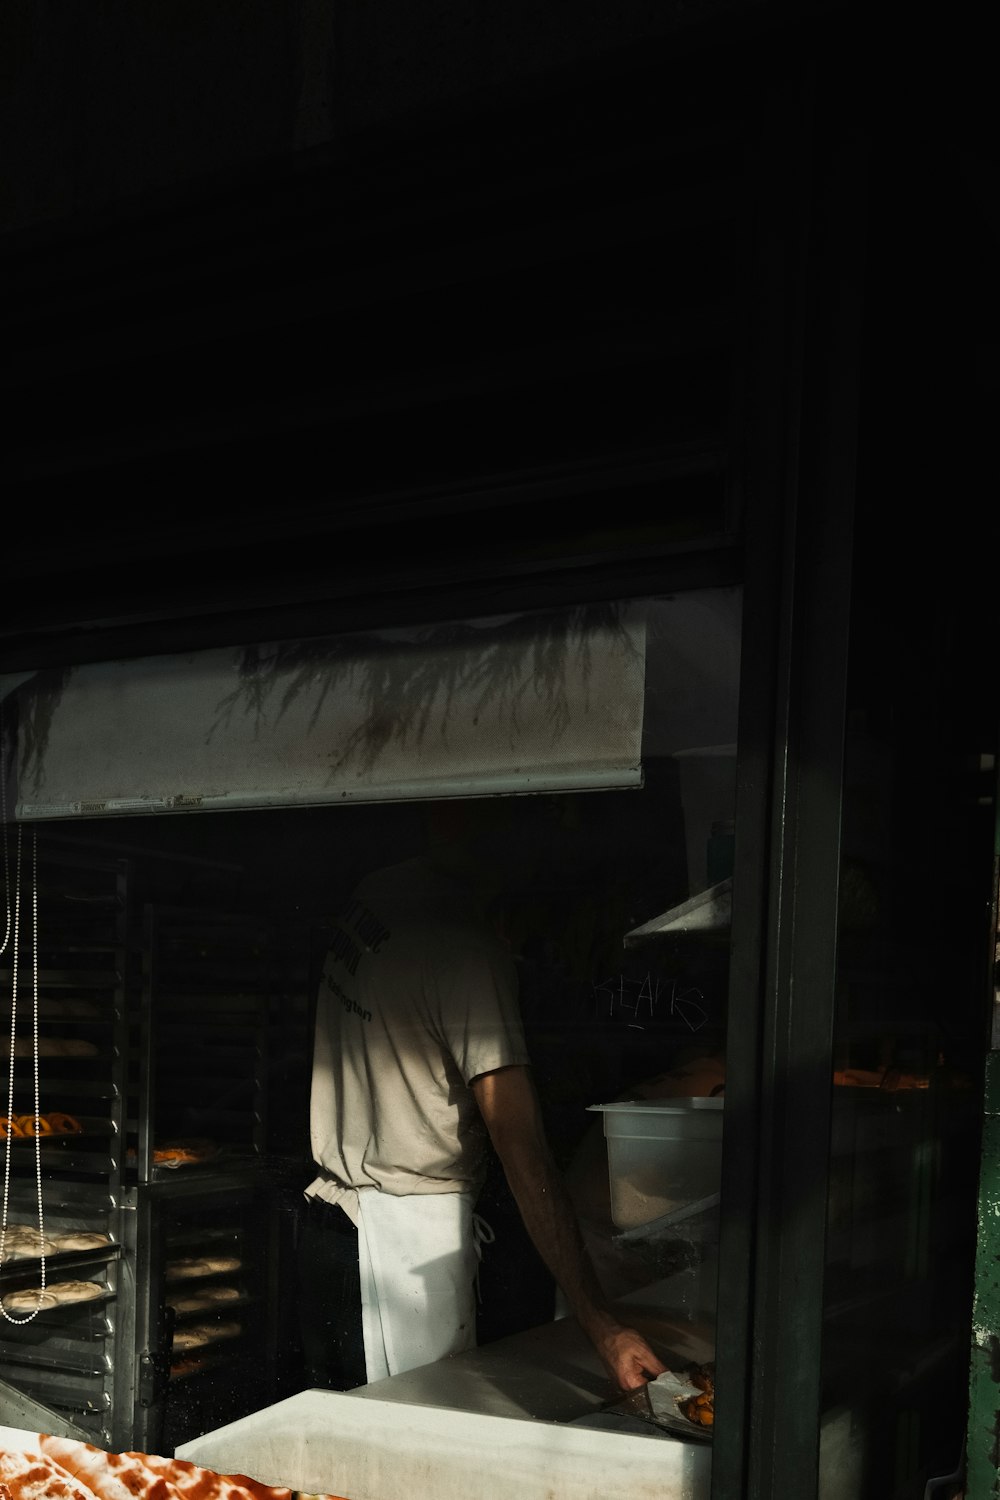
(27, 721)
(414, 683)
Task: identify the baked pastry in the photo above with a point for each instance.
(184, 1153)
(700, 1409)
(48, 1046)
(23, 1242)
(216, 1263)
(77, 1291)
(48, 1005)
(185, 1267)
(189, 1267)
(30, 1299)
(68, 1047)
(192, 1337)
(197, 1335)
(56, 1294)
(58, 1123)
(208, 1297)
(81, 1240)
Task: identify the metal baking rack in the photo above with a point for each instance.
(187, 1019)
(64, 1357)
(207, 1215)
(212, 1017)
(202, 1046)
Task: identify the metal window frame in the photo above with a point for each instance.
(799, 469)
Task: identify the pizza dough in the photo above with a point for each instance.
(110, 1476)
(65, 1469)
(35, 1476)
(194, 1483)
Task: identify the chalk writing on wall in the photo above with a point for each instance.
(653, 997)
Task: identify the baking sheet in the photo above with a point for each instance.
(657, 1405)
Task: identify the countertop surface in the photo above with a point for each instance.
(550, 1373)
(507, 1421)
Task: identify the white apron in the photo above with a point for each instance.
(418, 1258)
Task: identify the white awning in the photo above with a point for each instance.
(527, 703)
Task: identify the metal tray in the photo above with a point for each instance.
(638, 1404)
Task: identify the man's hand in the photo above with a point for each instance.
(509, 1105)
(628, 1359)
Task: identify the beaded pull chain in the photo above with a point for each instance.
(6, 846)
(14, 929)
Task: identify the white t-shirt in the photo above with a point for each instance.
(418, 997)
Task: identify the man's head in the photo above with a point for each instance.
(496, 842)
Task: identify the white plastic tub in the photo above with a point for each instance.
(664, 1156)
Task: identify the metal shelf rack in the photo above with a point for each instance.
(177, 1021)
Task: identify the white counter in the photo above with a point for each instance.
(490, 1424)
(327, 1442)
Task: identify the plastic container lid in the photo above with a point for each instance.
(661, 1106)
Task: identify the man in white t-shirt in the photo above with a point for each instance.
(419, 1061)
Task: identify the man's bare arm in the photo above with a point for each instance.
(508, 1102)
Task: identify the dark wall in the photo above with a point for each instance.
(108, 101)
(334, 381)
(481, 280)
